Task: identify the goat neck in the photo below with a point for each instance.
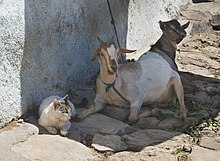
(165, 46)
(106, 76)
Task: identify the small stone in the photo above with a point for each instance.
(20, 121)
(168, 123)
(127, 130)
(149, 122)
(184, 157)
(216, 114)
(151, 153)
(187, 148)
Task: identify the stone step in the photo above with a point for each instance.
(204, 17)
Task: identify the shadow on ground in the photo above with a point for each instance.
(109, 130)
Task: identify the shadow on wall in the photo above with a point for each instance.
(59, 39)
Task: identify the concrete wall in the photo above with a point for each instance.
(143, 18)
(46, 44)
(11, 53)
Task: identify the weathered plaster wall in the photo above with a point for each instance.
(143, 18)
(11, 53)
(60, 36)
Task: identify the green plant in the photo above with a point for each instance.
(178, 151)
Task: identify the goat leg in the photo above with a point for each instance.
(180, 96)
(151, 113)
(92, 109)
(133, 116)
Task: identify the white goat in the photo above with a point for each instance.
(150, 80)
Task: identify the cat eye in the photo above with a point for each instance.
(63, 109)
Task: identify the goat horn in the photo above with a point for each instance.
(100, 40)
(186, 25)
(122, 50)
(95, 54)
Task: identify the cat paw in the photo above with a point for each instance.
(63, 132)
(52, 131)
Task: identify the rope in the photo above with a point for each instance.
(113, 86)
(116, 34)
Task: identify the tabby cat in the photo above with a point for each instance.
(55, 113)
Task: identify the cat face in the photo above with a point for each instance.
(62, 106)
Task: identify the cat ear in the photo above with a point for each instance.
(56, 104)
(66, 98)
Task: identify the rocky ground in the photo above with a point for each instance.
(107, 135)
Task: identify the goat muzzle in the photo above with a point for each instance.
(114, 65)
(114, 68)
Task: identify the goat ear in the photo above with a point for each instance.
(122, 50)
(162, 25)
(95, 54)
(100, 40)
(185, 25)
(56, 104)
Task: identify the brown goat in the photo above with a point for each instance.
(146, 81)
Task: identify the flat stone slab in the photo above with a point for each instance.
(200, 153)
(148, 154)
(210, 143)
(108, 143)
(168, 123)
(158, 152)
(54, 147)
(148, 122)
(143, 138)
(98, 123)
(211, 7)
(12, 134)
(196, 15)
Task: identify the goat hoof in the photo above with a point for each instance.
(183, 114)
(132, 120)
(157, 113)
(52, 131)
(78, 117)
(183, 117)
